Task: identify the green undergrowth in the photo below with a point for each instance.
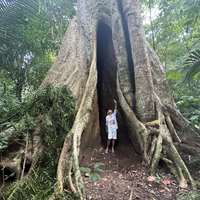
(187, 99)
(50, 113)
(192, 195)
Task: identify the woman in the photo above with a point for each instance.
(111, 127)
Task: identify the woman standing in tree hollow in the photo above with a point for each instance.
(111, 127)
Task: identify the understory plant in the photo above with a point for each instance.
(93, 176)
(192, 195)
(158, 178)
(187, 99)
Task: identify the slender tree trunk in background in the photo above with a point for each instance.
(52, 40)
(152, 28)
(105, 55)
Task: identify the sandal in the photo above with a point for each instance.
(106, 151)
(113, 151)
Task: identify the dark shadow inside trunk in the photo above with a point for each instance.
(106, 86)
(129, 53)
(9, 177)
(27, 166)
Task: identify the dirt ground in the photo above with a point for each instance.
(125, 178)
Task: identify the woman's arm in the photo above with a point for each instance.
(115, 104)
(106, 125)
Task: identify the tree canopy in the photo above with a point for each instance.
(30, 35)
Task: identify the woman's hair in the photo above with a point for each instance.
(108, 112)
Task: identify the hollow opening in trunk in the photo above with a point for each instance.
(106, 86)
(27, 166)
(9, 177)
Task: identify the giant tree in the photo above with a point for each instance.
(105, 55)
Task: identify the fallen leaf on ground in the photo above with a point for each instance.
(151, 178)
(120, 176)
(166, 182)
(109, 161)
(134, 171)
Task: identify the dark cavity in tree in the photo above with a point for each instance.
(128, 50)
(27, 166)
(7, 173)
(106, 86)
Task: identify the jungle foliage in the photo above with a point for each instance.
(173, 28)
(53, 110)
(31, 33)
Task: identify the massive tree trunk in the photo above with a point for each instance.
(103, 56)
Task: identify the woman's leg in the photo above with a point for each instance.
(108, 143)
(113, 145)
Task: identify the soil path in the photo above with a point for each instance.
(125, 178)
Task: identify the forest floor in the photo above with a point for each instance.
(125, 178)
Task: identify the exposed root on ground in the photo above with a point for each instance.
(167, 148)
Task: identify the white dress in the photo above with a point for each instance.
(112, 129)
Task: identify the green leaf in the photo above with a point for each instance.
(186, 103)
(48, 120)
(97, 165)
(85, 169)
(193, 117)
(100, 170)
(96, 177)
(90, 177)
(8, 176)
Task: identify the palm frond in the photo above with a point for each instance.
(173, 74)
(13, 14)
(192, 72)
(196, 54)
(4, 5)
(191, 66)
(189, 70)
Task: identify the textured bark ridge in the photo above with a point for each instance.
(105, 56)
